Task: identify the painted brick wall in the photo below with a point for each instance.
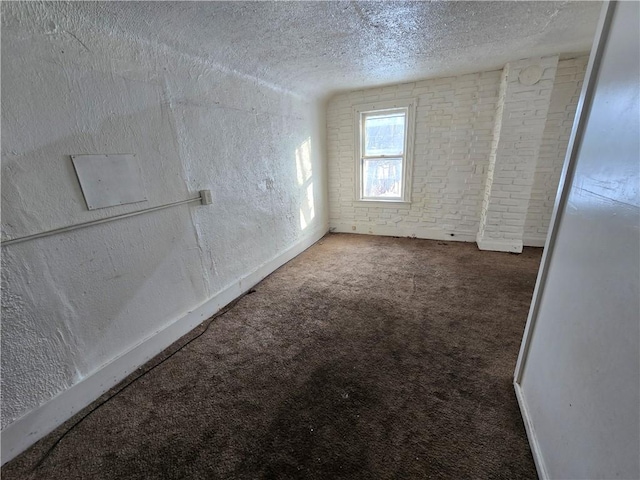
(455, 129)
(514, 158)
(454, 126)
(562, 109)
(491, 168)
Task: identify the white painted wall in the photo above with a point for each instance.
(81, 310)
(454, 122)
(557, 130)
(454, 134)
(517, 137)
(74, 302)
(579, 374)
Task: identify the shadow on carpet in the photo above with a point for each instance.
(363, 358)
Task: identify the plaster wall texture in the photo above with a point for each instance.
(459, 124)
(73, 302)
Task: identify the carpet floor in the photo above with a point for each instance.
(363, 358)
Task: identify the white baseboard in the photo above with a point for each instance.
(534, 241)
(499, 245)
(531, 434)
(28, 429)
(403, 231)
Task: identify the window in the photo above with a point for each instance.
(384, 137)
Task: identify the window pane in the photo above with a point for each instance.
(384, 134)
(382, 177)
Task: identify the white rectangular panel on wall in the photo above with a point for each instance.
(109, 180)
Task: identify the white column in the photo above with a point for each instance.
(523, 104)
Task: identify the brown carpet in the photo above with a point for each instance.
(363, 358)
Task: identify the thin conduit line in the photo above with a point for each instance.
(135, 379)
(95, 222)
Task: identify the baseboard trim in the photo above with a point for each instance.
(534, 241)
(28, 429)
(531, 434)
(494, 245)
(403, 231)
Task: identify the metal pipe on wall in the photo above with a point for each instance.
(204, 198)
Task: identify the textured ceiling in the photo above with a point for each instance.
(321, 47)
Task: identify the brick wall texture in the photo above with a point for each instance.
(520, 124)
(455, 138)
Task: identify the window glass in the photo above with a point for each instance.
(382, 177)
(384, 134)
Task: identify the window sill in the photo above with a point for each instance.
(380, 203)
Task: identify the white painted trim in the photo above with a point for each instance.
(566, 178)
(381, 203)
(402, 231)
(564, 189)
(534, 241)
(499, 245)
(538, 459)
(408, 104)
(30, 428)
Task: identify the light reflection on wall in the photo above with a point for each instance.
(605, 188)
(305, 183)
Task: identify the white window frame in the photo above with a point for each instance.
(408, 106)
